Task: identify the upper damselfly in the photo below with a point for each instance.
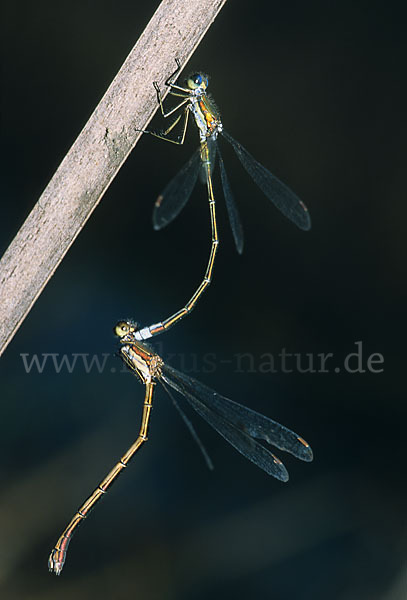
(239, 425)
(195, 100)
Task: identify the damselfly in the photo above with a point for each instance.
(176, 194)
(239, 425)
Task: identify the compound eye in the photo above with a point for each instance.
(122, 328)
(194, 81)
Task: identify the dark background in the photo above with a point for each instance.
(317, 92)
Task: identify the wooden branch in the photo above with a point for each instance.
(103, 145)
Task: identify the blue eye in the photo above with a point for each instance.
(197, 80)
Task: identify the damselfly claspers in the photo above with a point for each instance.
(176, 194)
(239, 425)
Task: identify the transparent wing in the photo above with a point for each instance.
(233, 213)
(177, 193)
(284, 199)
(239, 424)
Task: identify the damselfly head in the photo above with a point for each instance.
(197, 80)
(124, 328)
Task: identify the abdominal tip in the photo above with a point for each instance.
(54, 566)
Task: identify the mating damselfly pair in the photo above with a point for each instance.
(239, 425)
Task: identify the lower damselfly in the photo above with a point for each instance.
(239, 425)
(195, 100)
